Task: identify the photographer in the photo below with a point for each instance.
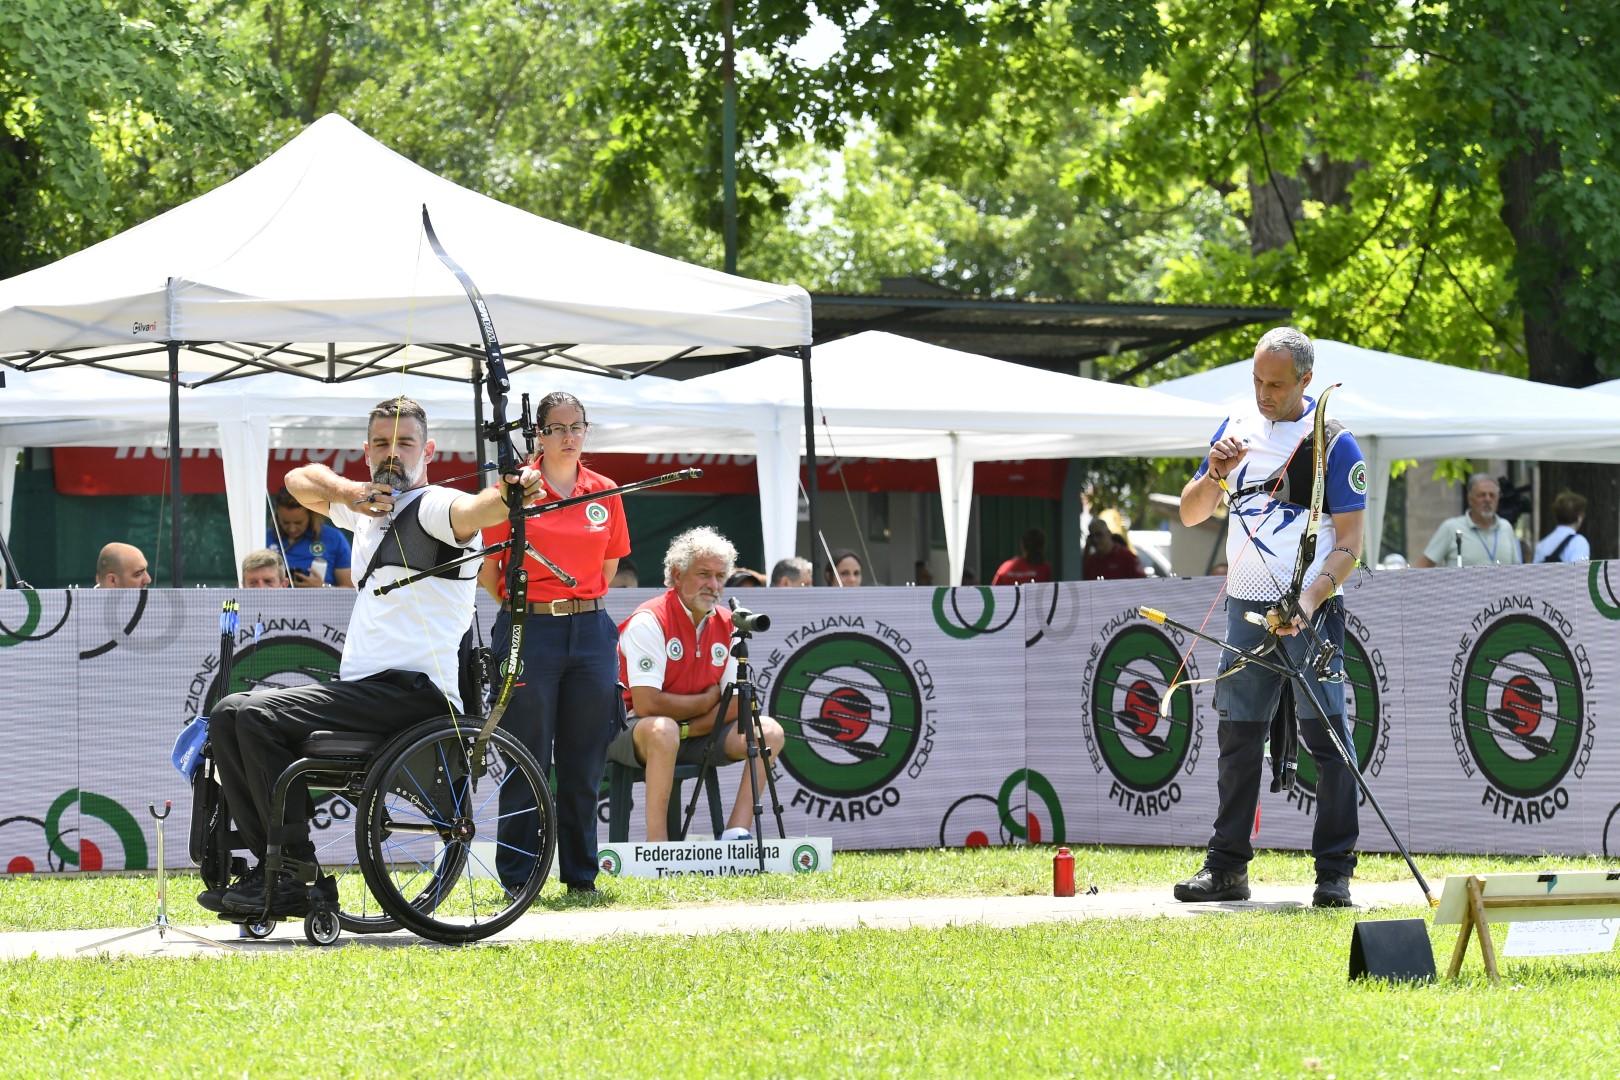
(1481, 537)
(675, 660)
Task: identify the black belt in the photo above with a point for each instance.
(569, 606)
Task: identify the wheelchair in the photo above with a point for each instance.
(405, 825)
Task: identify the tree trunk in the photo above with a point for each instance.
(1544, 272)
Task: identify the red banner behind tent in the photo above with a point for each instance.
(124, 470)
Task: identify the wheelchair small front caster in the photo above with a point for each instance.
(321, 927)
(259, 929)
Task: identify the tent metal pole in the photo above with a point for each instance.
(810, 456)
(174, 463)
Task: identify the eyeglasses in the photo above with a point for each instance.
(557, 431)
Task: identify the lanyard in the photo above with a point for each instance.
(1496, 540)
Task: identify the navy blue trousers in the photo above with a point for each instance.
(1246, 701)
(566, 708)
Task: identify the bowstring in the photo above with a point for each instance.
(416, 605)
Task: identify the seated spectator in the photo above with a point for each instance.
(1565, 542)
(744, 578)
(1029, 566)
(1478, 538)
(922, 573)
(1107, 556)
(675, 658)
(844, 570)
(625, 577)
(792, 572)
(262, 569)
(121, 566)
(315, 555)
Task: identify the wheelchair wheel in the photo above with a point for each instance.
(259, 930)
(430, 818)
(321, 927)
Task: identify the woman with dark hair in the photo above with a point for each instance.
(566, 701)
(314, 556)
(845, 569)
(1030, 566)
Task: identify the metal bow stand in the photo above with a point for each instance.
(1279, 662)
(162, 924)
(747, 699)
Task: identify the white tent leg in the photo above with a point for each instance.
(8, 488)
(777, 463)
(244, 446)
(956, 495)
(1377, 498)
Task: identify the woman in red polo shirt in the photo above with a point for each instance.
(567, 695)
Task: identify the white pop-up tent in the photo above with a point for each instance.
(246, 421)
(1398, 407)
(880, 395)
(314, 263)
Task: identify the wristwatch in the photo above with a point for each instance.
(686, 730)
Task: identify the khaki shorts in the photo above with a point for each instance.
(623, 748)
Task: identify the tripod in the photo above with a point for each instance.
(161, 924)
(744, 624)
(1282, 664)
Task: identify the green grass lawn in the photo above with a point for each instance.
(1256, 994)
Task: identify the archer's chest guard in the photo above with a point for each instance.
(1293, 482)
(407, 544)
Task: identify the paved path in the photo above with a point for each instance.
(589, 924)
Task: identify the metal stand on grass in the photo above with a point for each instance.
(744, 624)
(162, 925)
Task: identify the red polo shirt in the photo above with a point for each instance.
(579, 539)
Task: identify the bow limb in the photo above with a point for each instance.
(498, 386)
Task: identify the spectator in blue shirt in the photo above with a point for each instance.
(307, 547)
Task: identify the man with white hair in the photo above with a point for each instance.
(675, 658)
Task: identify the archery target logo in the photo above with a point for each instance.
(1523, 712)
(1601, 587)
(805, 859)
(645, 663)
(1365, 679)
(1358, 478)
(1141, 746)
(718, 654)
(851, 709)
(609, 862)
(674, 649)
(596, 514)
(81, 831)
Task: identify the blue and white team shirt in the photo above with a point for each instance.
(1275, 507)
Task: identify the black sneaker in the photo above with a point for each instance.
(1210, 885)
(585, 887)
(1332, 890)
(214, 899)
(289, 897)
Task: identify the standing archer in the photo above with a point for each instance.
(1297, 489)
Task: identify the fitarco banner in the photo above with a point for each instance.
(1483, 703)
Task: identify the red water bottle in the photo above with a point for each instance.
(1063, 873)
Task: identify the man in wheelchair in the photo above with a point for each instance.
(400, 653)
(675, 659)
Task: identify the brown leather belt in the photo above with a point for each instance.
(570, 606)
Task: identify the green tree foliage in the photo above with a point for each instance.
(92, 95)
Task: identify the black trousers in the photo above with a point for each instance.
(1246, 702)
(256, 735)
